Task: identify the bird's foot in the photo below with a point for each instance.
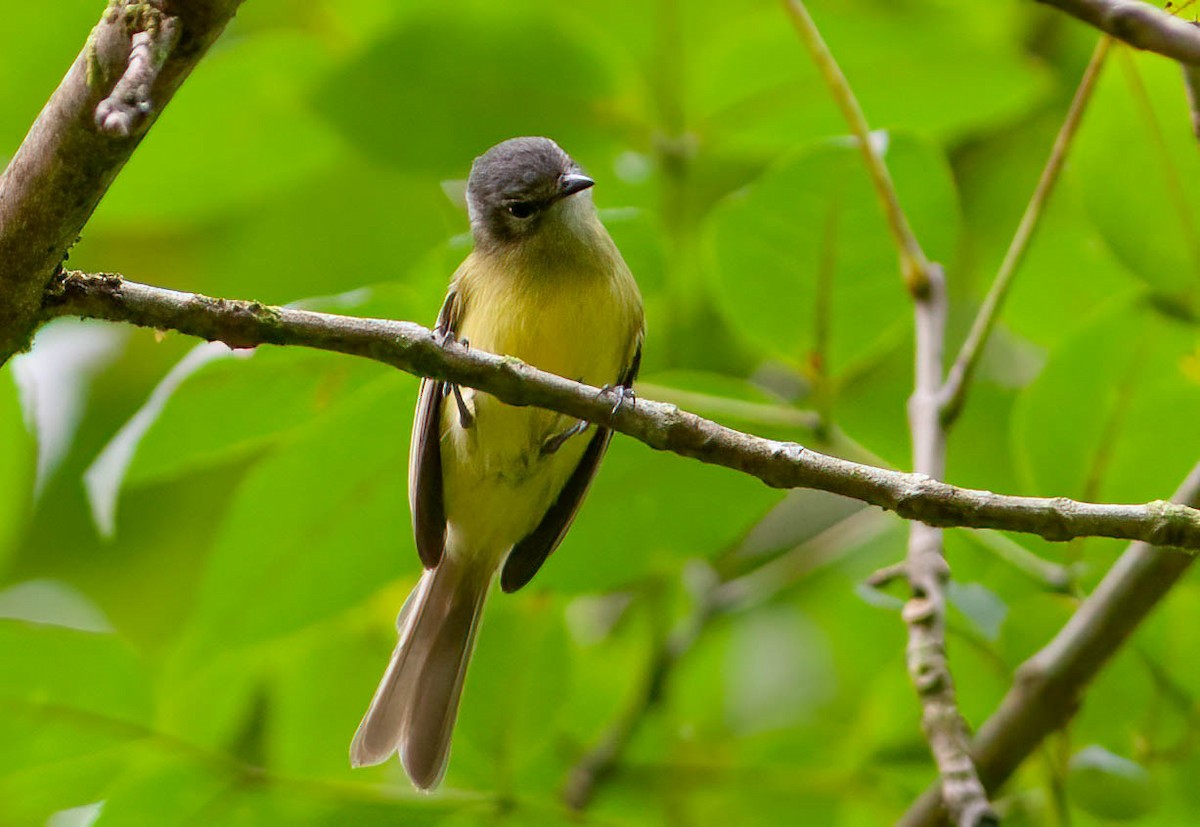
(445, 337)
(552, 444)
(623, 394)
(465, 418)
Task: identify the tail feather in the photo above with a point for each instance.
(414, 708)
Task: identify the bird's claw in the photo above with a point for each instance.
(552, 444)
(623, 393)
(465, 418)
(445, 337)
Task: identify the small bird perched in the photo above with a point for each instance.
(494, 487)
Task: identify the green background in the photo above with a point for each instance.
(201, 556)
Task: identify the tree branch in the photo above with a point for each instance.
(1139, 24)
(126, 107)
(925, 564)
(415, 349)
(959, 377)
(928, 574)
(1191, 83)
(1048, 686)
(65, 164)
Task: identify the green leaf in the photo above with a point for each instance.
(188, 790)
(223, 795)
(216, 406)
(816, 217)
(509, 724)
(16, 463)
(981, 606)
(779, 670)
(233, 408)
(752, 83)
(470, 81)
(324, 240)
(1119, 391)
(625, 531)
(55, 379)
(1067, 264)
(733, 402)
(175, 177)
(1109, 786)
(316, 527)
(1139, 201)
(71, 702)
(54, 34)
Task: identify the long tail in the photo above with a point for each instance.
(414, 708)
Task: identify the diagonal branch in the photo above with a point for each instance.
(1049, 686)
(1139, 24)
(66, 163)
(959, 377)
(415, 349)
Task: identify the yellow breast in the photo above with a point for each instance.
(582, 323)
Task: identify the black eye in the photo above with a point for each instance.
(522, 209)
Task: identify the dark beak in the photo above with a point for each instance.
(570, 183)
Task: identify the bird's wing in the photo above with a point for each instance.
(425, 497)
(528, 554)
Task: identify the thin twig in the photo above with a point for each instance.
(1048, 687)
(913, 263)
(928, 575)
(1191, 83)
(1139, 24)
(415, 349)
(958, 378)
(130, 103)
(925, 563)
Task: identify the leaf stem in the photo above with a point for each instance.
(958, 378)
(914, 265)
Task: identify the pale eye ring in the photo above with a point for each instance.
(522, 209)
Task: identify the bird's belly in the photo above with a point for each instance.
(498, 483)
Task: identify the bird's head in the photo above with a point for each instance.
(524, 187)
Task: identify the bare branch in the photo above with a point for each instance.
(1139, 24)
(959, 377)
(913, 263)
(65, 164)
(1191, 83)
(1049, 686)
(415, 349)
(928, 576)
(130, 103)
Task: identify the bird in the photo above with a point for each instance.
(493, 488)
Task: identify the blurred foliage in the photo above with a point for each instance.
(201, 556)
